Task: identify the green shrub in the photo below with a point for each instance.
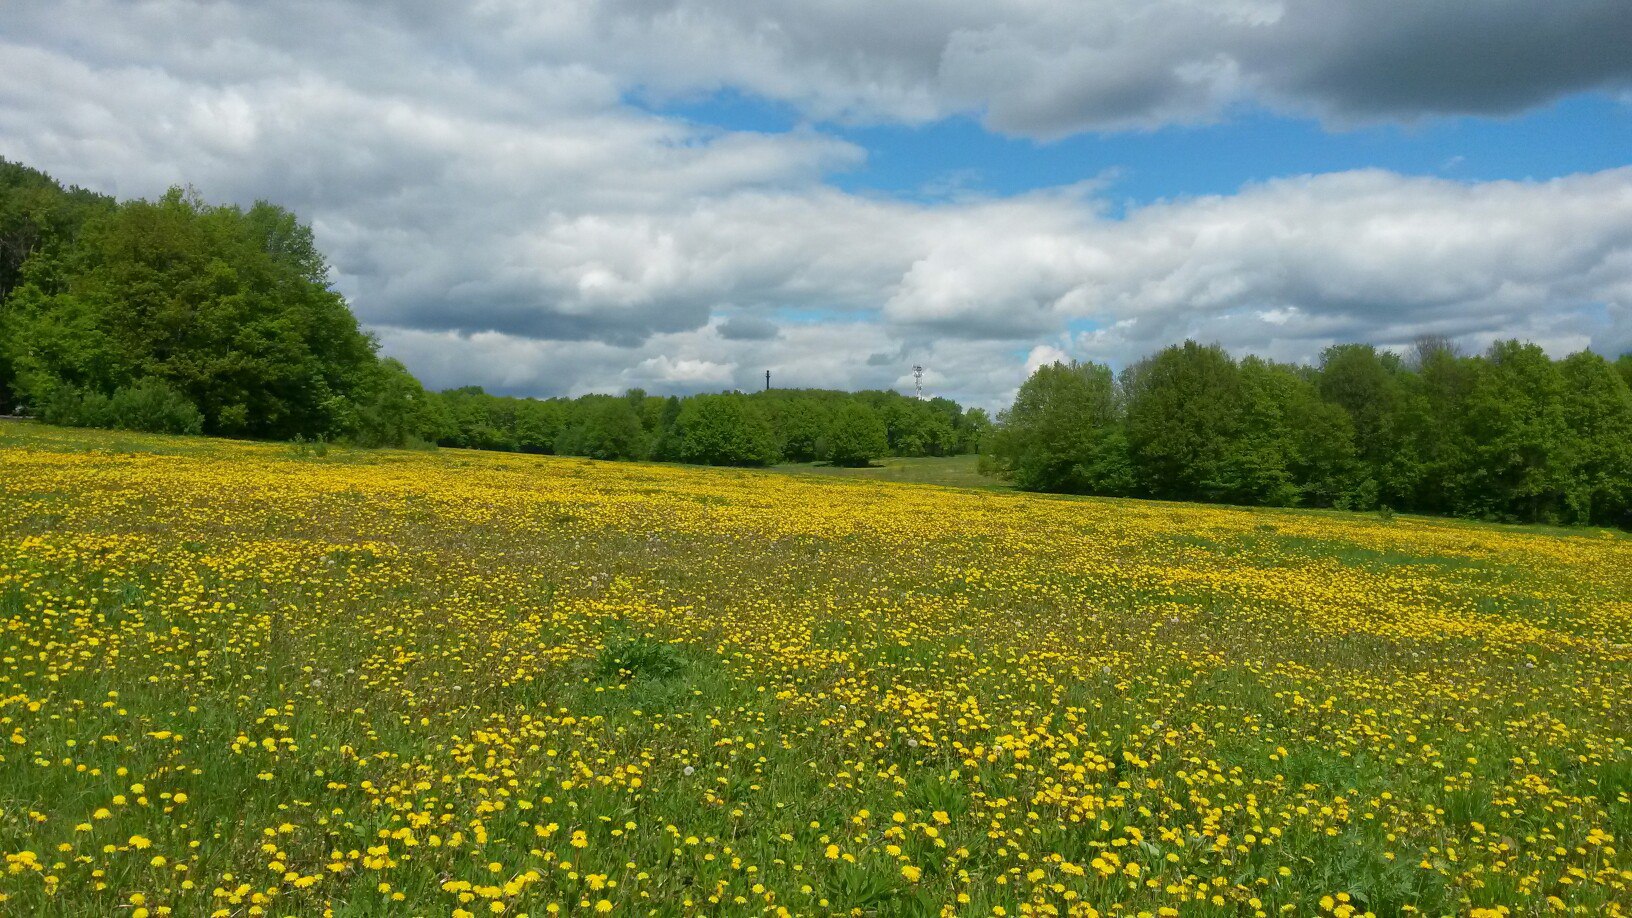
(72, 407)
(148, 405)
(302, 448)
(625, 659)
(152, 406)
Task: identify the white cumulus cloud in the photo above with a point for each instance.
(501, 213)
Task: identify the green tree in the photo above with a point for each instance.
(724, 430)
(1255, 465)
(392, 409)
(39, 221)
(229, 309)
(538, 423)
(603, 427)
(1063, 433)
(973, 427)
(1443, 383)
(477, 420)
(917, 428)
(799, 425)
(855, 435)
(1319, 444)
(665, 442)
(1184, 409)
(1370, 385)
(1598, 413)
(55, 341)
(1522, 446)
(652, 410)
(147, 404)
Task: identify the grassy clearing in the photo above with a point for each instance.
(950, 471)
(237, 681)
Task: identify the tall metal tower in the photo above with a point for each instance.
(918, 380)
(767, 380)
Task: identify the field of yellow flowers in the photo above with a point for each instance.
(235, 680)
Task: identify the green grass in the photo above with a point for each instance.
(232, 677)
(948, 471)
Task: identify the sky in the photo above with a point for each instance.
(554, 198)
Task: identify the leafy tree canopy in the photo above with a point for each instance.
(1509, 435)
(855, 435)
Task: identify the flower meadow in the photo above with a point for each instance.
(237, 680)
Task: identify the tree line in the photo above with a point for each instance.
(176, 315)
(1506, 435)
(729, 428)
(180, 316)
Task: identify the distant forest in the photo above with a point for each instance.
(1508, 435)
(177, 316)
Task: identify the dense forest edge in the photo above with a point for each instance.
(1510, 435)
(178, 316)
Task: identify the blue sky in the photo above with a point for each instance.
(569, 197)
(1588, 132)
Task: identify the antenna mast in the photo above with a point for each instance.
(767, 380)
(918, 380)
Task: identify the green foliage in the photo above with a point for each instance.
(1511, 435)
(392, 409)
(39, 218)
(472, 419)
(1317, 438)
(716, 429)
(1442, 384)
(855, 435)
(538, 423)
(1372, 388)
(723, 430)
(1255, 469)
(1063, 433)
(301, 448)
(1519, 444)
(37, 214)
(628, 658)
(913, 427)
(918, 428)
(1184, 410)
(1598, 412)
(604, 427)
(973, 428)
(799, 424)
(229, 308)
(146, 405)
